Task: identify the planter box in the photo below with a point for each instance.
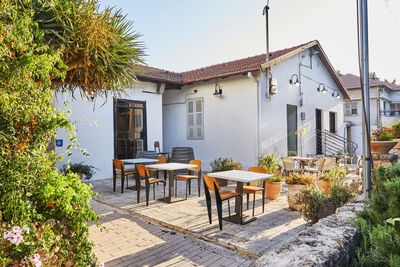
(292, 198)
(382, 147)
(272, 190)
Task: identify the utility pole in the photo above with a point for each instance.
(265, 13)
(362, 24)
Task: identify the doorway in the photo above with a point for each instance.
(318, 127)
(130, 131)
(332, 122)
(291, 115)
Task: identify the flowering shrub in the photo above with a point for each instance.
(383, 134)
(298, 178)
(225, 164)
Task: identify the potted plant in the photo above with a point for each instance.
(269, 162)
(396, 133)
(224, 164)
(326, 179)
(382, 140)
(273, 187)
(297, 182)
(83, 170)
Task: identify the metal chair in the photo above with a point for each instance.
(158, 150)
(210, 184)
(119, 169)
(189, 177)
(146, 154)
(144, 177)
(252, 188)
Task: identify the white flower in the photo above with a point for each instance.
(26, 229)
(24, 261)
(7, 234)
(15, 239)
(38, 263)
(35, 257)
(16, 229)
(101, 264)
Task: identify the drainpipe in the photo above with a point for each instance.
(259, 121)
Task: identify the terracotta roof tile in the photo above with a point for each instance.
(353, 81)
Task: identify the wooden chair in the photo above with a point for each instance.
(210, 184)
(329, 163)
(289, 165)
(119, 169)
(161, 159)
(318, 169)
(189, 177)
(143, 177)
(252, 188)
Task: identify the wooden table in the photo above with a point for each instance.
(170, 168)
(240, 177)
(304, 160)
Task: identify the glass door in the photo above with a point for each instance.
(292, 129)
(130, 133)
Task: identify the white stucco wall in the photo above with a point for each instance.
(229, 121)
(95, 128)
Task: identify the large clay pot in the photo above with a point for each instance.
(272, 190)
(397, 146)
(382, 147)
(292, 198)
(324, 185)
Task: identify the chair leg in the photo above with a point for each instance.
(219, 211)
(263, 197)
(190, 185)
(186, 189)
(114, 181)
(248, 199)
(147, 193)
(199, 184)
(127, 179)
(176, 186)
(154, 191)
(208, 201)
(241, 210)
(122, 183)
(164, 189)
(229, 209)
(254, 201)
(138, 189)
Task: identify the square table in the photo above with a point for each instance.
(137, 161)
(240, 177)
(170, 168)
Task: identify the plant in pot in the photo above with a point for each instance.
(273, 187)
(297, 182)
(396, 133)
(326, 179)
(382, 140)
(224, 164)
(83, 170)
(315, 204)
(270, 162)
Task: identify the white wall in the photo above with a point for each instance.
(274, 128)
(95, 128)
(229, 122)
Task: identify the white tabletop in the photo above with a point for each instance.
(240, 176)
(171, 166)
(139, 160)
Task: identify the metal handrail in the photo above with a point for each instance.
(332, 143)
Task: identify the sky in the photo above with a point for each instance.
(181, 35)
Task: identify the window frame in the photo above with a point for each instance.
(195, 125)
(348, 111)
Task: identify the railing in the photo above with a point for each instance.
(331, 143)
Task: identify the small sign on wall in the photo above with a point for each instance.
(59, 143)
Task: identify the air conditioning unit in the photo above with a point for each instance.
(273, 86)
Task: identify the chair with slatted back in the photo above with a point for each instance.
(252, 188)
(320, 164)
(289, 165)
(119, 170)
(143, 177)
(189, 177)
(210, 184)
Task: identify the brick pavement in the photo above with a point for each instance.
(131, 241)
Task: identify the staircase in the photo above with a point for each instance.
(331, 143)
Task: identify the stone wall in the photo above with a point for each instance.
(384, 159)
(329, 242)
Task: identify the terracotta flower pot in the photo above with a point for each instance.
(272, 190)
(397, 146)
(324, 185)
(382, 147)
(292, 198)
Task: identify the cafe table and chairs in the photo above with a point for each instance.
(135, 161)
(170, 168)
(241, 178)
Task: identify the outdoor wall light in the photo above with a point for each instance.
(217, 90)
(336, 94)
(321, 88)
(91, 94)
(294, 80)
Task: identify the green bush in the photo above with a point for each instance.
(341, 194)
(312, 200)
(270, 162)
(334, 174)
(81, 169)
(298, 178)
(225, 164)
(276, 179)
(380, 245)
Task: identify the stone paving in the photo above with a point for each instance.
(277, 225)
(131, 241)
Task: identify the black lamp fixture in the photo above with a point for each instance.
(217, 90)
(336, 94)
(294, 80)
(321, 88)
(91, 94)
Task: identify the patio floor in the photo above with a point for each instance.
(278, 224)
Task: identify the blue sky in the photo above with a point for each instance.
(186, 34)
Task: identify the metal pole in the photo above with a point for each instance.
(265, 12)
(364, 76)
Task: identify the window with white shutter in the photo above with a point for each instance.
(195, 124)
(351, 108)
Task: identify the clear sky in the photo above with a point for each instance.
(182, 35)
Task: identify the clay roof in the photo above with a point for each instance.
(352, 81)
(221, 70)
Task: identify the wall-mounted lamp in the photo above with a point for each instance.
(217, 90)
(321, 88)
(336, 94)
(294, 80)
(91, 94)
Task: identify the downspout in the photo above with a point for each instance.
(259, 121)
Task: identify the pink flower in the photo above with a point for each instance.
(101, 264)
(7, 234)
(24, 261)
(38, 263)
(16, 229)
(35, 257)
(15, 239)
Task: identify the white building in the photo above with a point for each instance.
(224, 110)
(384, 106)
